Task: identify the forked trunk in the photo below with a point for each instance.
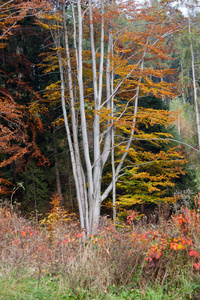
(88, 162)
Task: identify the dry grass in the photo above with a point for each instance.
(120, 257)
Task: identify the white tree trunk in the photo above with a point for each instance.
(72, 153)
(182, 82)
(194, 86)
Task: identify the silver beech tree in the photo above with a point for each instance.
(104, 51)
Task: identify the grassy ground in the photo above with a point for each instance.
(22, 287)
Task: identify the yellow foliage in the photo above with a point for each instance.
(59, 122)
(57, 214)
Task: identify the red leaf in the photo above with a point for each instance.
(196, 266)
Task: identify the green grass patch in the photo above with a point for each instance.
(22, 287)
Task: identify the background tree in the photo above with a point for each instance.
(20, 112)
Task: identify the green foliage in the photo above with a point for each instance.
(184, 130)
(37, 188)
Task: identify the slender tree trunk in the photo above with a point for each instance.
(182, 82)
(113, 159)
(14, 171)
(179, 124)
(194, 86)
(57, 173)
(80, 172)
(97, 87)
(71, 148)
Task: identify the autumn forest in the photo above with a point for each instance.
(100, 148)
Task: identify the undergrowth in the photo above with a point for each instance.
(52, 260)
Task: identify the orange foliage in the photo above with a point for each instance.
(17, 120)
(57, 214)
(15, 142)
